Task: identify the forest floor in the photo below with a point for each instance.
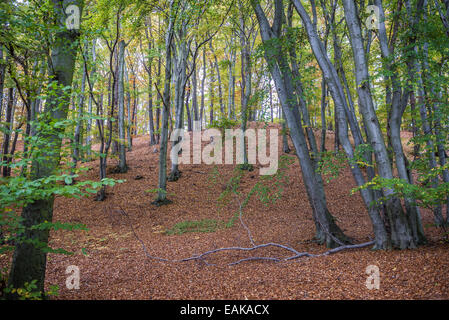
(113, 263)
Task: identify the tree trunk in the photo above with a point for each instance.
(203, 81)
(162, 178)
(401, 233)
(8, 130)
(327, 231)
(89, 121)
(342, 116)
(122, 166)
(217, 70)
(29, 261)
(79, 124)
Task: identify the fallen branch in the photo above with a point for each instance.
(201, 257)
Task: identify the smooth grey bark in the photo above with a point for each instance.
(327, 230)
(245, 85)
(162, 176)
(159, 101)
(150, 83)
(90, 102)
(122, 166)
(211, 94)
(203, 81)
(401, 233)
(9, 119)
(79, 123)
(129, 121)
(29, 261)
(323, 116)
(342, 116)
(231, 86)
(189, 114)
(397, 100)
(2, 80)
(180, 66)
(217, 71)
(195, 110)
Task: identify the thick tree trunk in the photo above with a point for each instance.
(401, 233)
(327, 231)
(29, 261)
(342, 116)
(398, 102)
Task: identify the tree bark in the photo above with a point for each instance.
(327, 231)
(29, 261)
(122, 166)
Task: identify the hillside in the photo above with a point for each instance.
(113, 263)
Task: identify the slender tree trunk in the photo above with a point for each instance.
(217, 70)
(128, 111)
(189, 115)
(89, 121)
(180, 88)
(8, 130)
(323, 116)
(285, 147)
(122, 166)
(231, 87)
(203, 81)
(211, 94)
(195, 95)
(245, 87)
(79, 124)
(2, 80)
(162, 178)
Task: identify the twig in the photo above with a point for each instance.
(243, 224)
